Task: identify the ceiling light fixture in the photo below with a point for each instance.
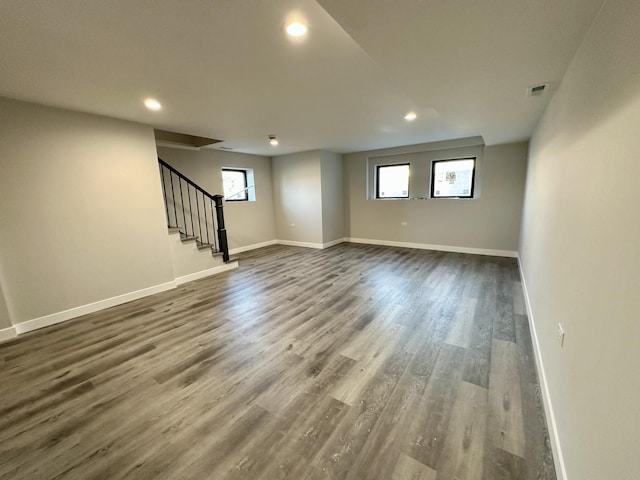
(273, 140)
(410, 117)
(296, 29)
(152, 104)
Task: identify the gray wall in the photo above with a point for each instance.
(491, 221)
(247, 223)
(580, 249)
(297, 194)
(333, 227)
(80, 207)
(5, 321)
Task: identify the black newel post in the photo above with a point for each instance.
(222, 231)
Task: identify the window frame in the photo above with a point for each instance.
(246, 185)
(473, 178)
(378, 167)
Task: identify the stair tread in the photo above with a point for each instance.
(201, 245)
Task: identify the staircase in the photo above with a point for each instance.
(194, 213)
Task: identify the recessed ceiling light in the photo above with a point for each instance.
(273, 140)
(296, 29)
(152, 104)
(410, 117)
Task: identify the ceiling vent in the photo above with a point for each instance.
(537, 90)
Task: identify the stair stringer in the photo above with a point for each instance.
(191, 263)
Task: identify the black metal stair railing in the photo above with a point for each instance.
(194, 211)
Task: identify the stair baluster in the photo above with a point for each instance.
(217, 238)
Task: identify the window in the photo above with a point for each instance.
(422, 175)
(453, 178)
(234, 183)
(392, 181)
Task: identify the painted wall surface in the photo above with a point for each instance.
(580, 249)
(188, 259)
(297, 195)
(5, 321)
(247, 223)
(491, 221)
(332, 197)
(80, 207)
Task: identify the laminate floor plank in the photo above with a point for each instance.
(350, 390)
(426, 434)
(463, 451)
(380, 456)
(460, 333)
(354, 362)
(253, 459)
(505, 398)
(406, 468)
(311, 434)
(501, 465)
(337, 456)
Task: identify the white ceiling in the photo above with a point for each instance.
(225, 69)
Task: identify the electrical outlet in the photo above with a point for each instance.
(560, 335)
(403, 224)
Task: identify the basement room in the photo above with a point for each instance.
(319, 239)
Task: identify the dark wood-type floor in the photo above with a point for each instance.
(356, 362)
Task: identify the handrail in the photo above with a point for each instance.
(245, 189)
(186, 179)
(182, 214)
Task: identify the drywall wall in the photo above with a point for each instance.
(332, 197)
(191, 263)
(247, 223)
(489, 222)
(80, 207)
(297, 194)
(580, 249)
(5, 321)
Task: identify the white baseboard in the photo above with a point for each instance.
(319, 246)
(207, 273)
(7, 334)
(552, 426)
(253, 246)
(442, 248)
(334, 242)
(292, 243)
(65, 315)
(391, 243)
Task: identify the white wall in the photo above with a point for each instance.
(247, 223)
(489, 222)
(580, 249)
(297, 194)
(80, 207)
(333, 227)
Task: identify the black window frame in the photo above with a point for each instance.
(433, 177)
(378, 167)
(246, 185)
